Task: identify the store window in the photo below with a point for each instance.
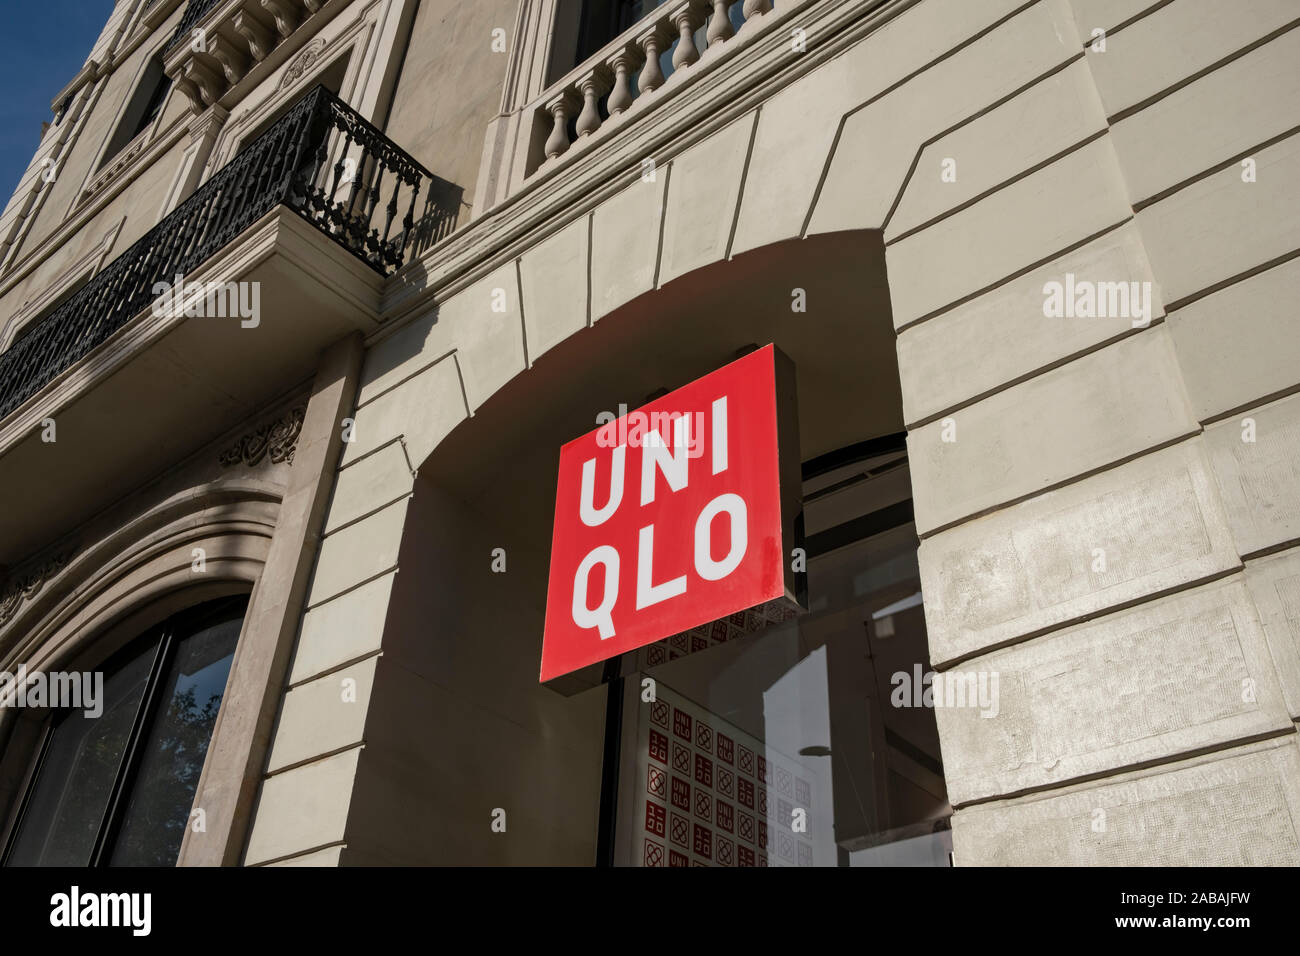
(572, 765)
(116, 789)
(776, 742)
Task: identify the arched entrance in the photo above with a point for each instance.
(796, 754)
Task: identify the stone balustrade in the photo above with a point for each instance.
(623, 75)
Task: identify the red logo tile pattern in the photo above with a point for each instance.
(735, 626)
(713, 808)
(656, 782)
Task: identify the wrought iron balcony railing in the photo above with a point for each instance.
(320, 160)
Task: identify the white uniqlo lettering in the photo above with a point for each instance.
(599, 616)
(671, 463)
(720, 435)
(705, 566)
(648, 593)
(591, 515)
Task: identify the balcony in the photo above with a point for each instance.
(620, 78)
(312, 215)
(675, 68)
(288, 164)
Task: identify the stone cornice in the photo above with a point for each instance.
(84, 76)
(156, 13)
(208, 122)
(117, 165)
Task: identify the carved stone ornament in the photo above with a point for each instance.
(123, 160)
(274, 441)
(23, 587)
(303, 62)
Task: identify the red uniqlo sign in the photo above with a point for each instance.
(672, 516)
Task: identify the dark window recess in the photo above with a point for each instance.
(141, 111)
(331, 78)
(602, 20)
(116, 790)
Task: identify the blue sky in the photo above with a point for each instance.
(43, 45)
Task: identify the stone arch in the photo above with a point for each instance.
(137, 563)
(824, 301)
(93, 600)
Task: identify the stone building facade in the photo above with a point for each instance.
(1035, 264)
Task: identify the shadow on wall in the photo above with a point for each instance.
(459, 732)
(443, 207)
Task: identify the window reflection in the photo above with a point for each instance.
(159, 806)
(780, 746)
(118, 789)
(70, 796)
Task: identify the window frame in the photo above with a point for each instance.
(168, 636)
(158, 92)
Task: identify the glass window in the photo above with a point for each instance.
(66, 805)
(118, 789)
(159, 805)
(141, 111)
(782, 740)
